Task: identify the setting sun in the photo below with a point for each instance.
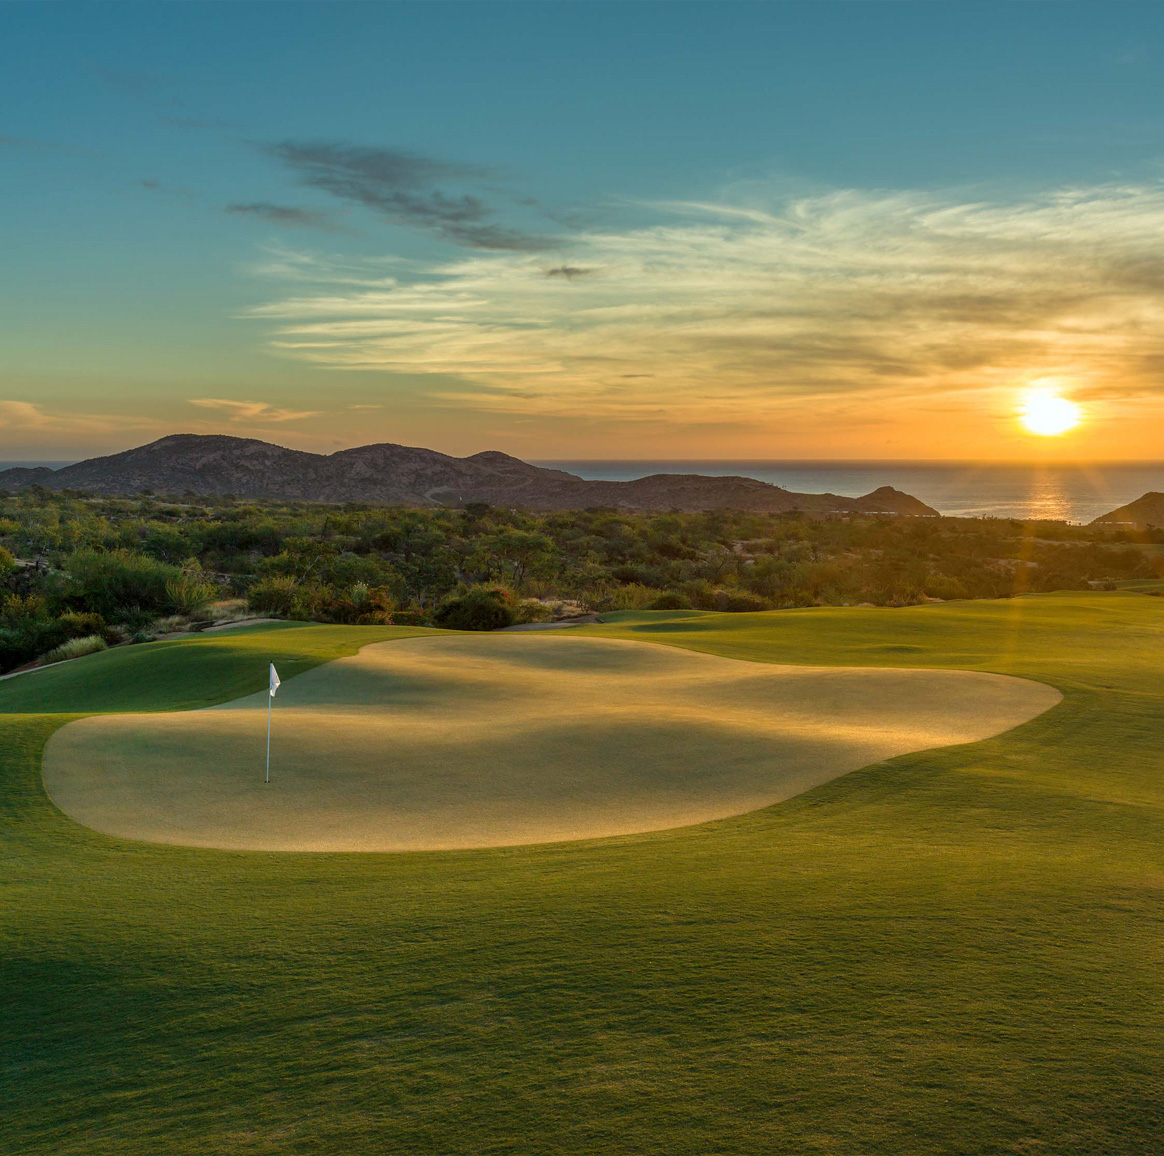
(1047, 414)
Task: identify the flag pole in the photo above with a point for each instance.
(273, 685)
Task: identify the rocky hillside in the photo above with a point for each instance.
(1144, 511)
(403, 475)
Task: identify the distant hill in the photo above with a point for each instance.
(217, 464)
(1144, 511)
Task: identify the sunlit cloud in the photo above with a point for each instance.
(25, 417)
(253, 411)
(731, 312)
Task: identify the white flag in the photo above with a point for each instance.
(275, 680)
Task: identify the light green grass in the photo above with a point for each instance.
(957, 952)
(492, 740)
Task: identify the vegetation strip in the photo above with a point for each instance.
(78, 572)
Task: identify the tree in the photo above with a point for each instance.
(482, 608)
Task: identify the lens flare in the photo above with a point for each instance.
(1045, 413)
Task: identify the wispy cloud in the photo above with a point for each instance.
(23, 415)
(405, 188)
(253, 411)
(283, 215)
(568, 271)
(29, 420)
(732, 311)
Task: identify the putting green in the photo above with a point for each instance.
(474, 741)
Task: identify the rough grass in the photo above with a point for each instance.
(957, 952)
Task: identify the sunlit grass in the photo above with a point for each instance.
(959, 951)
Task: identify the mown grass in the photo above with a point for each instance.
(954, 952)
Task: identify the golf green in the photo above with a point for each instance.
(462, 741)
(956, 951)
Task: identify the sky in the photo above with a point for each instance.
(583, 230)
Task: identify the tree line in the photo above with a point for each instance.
(80, 572)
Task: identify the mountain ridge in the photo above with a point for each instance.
(1147, 510)
(205, 464)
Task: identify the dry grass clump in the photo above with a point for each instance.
(534, 610)
(74, 648)
(171, 624)
(632, 596)
(562, 608)
(227, 610)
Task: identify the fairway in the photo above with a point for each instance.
(954, 952)
(462, 741)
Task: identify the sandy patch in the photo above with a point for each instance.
(457, 742)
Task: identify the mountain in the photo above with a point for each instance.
(403, 475)
(1144, 511)
(19, 477)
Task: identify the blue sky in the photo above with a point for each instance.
(560, 229)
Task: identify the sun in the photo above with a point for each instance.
(1045, 413)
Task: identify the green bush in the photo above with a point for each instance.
(116, 583)
(76, 624)
(272, 595)
(671, 600)
(408, 618)
(188, 593)
(483, 608)
(738, 602)
(312, 602)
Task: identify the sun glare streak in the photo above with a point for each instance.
(1045, 413)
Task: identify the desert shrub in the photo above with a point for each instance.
(117, 582)
(227, 610)
(74, 648)
(408, 618)
(188, 593)
(139, 623)
(701, 592)
(671, 600)
(360, 605)
(633, 596)
(946, 588)
(78, 624)
(272, 595)
(22, 644)
(531, 610)
(28, 629)
(482, 608)
(738, 602)
(311, 602)
(171, 624)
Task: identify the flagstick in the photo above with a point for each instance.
(270, 700)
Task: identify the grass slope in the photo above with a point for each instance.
(957, 952)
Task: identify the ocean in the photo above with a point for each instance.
(1071, 493)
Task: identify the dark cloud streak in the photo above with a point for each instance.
(405, 189)
(283, 215)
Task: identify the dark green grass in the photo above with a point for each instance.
(955, 952)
